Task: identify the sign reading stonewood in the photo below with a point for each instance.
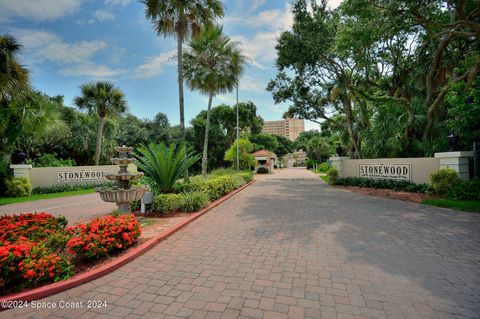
(81, 176)
(386, 171)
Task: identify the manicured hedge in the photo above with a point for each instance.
(18, 187)
(68, 188)
(465, 190)
(382, 183)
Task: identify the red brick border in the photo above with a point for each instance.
(51, 289)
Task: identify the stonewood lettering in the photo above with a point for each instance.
(386, 171)
(80, 176)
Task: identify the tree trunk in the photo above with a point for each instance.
(180, 86)
(205, 141)
(98, 148)
(347, 106)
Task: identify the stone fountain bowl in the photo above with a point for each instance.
(124, 176)
(123, 161)
(121, 195)
(123, 149)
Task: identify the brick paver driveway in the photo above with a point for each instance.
(295, 248)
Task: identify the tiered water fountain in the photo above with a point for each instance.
(124, 193)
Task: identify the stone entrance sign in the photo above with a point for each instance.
(413, 169)
(400, 172)
(81, 176)
(50, 176)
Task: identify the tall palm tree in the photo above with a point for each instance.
(103, 99)
(213, 64)
(183, 19)
(13, 76)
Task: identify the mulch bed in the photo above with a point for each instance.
(387, 193)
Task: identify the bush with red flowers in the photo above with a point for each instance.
(35, 227)
(104, 235)
(31, 248)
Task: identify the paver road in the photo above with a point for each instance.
(289, 246)
(78, 208)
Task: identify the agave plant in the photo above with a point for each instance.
(163, 165)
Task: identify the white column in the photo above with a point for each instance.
(457, 161)
(337, 162)
(21, 170)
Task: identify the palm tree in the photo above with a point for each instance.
(183, 19)
(103, 99)
(213, 64)
(13, 76)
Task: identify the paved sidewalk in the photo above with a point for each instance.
(78, 208)
(297, 248)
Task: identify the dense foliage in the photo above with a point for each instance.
(382, 183)
(163, 165)
(390, 78)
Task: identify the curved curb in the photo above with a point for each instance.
(51, 289)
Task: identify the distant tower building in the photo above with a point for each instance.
(289, 128)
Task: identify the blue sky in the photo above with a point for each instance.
(70, 42)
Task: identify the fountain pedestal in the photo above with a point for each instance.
(124, 193)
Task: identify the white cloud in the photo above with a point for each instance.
(153, 66)
(90, 70)
(257, 4)
(260, 49)
(117, 2)
(38, 9)
(71, 53)
(270, 19)
(249, 83)
(101, 15)
(73, 59)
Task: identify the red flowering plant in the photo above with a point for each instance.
(36, 227)
(30, 250)
(104, 235)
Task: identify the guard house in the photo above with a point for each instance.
(264, 158)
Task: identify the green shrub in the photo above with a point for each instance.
(332, 175)
(237, 180)
(465, 190)
(163, 165)
(68, 188)
(195, 183)
(135, 205)
(382, 183)
(323, 167)
(246, 175)
(194, 201)
(443, 179)
(223, 171)
(218, 186)
(166, 203)
(49, 160)
(5, 173)
(18, 187)
(262, 170)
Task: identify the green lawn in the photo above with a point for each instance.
(12, 200)
(325, 178)
(469, 206)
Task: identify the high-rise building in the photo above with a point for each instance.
(289, 128)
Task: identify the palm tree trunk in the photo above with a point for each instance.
(180, 85)
(98, 148)
(205, 141)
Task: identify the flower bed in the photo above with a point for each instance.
(37, 249)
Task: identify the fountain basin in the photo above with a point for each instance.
(121, 195)
(123, 161)
(124, 176)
